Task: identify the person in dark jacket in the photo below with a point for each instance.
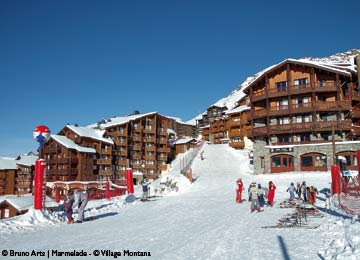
(68, 204)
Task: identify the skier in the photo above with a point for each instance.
(68, 204)
(239, 189)
(298, 190)
(291, 191)
(254, 198)
(261, 195)
(312, 196)
(145, 187)
(303, 191)
(81, 200)
(271, 193)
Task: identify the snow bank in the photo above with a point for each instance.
(30, 220)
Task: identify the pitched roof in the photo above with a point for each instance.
(7, 164)
(238, 109)
(120, 120)
(25, 202)
(91, 133)
(184, 140)
(68, 143)
(332, 68)
(26, 160)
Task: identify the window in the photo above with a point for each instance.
(283, 121)
(262, 162)
(306, 161)
(284, 139)
(281, 86)
(275, 162)
(300, 83)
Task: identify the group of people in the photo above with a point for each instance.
(303, 192)
(75, 199)
(257, 194)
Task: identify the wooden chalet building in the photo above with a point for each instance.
(237, 125)
(297, 108)
(78, 154)
(184, 144)
(16, 175)
(140, 142)
(218, 132)
(212, 113)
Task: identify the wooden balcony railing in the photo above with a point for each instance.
(344, 125)
(294, 90)
(301, 108)
(104, 161)
(355, 95)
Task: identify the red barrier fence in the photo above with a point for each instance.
(349, 190)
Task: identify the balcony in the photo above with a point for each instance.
(321, 126)
(355, 95)
(149, 139)
(333, 105)
(259, 95)
(150, 148)
(237, 145)
(120, 153)
(355, 113)
(234, 123)
(63, 171)
(137, 147)
(104, 161)
(105, 172)
(150, 157)
(325, 87)
(162, 131)
(137, 138)
(235, 132)
(163, 150)
(163, 141)
(105, 151)
(136, 156)
(121, 162)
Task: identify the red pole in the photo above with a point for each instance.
(38, 183)
(57, 195)
(335, 176)
(107, 190)
(129, 180)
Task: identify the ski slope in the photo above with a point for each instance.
(201, 221)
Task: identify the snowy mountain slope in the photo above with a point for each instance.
(200, 222)
(343, 61)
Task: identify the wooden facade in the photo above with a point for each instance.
(237, 125)
(106, 149)
(297, 103)
(141, 143)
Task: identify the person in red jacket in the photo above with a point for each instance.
(271, 193)
(239, 190)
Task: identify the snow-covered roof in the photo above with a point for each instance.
(26, 201)
(7, 164)
(120, 120)
(68, 143)
(91, 133)
(184, 140)
(342, 63)
(27, 160)
(171, 131)
(238, 109)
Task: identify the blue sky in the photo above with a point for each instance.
(80, 61)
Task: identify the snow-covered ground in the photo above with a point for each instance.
(201, 221)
